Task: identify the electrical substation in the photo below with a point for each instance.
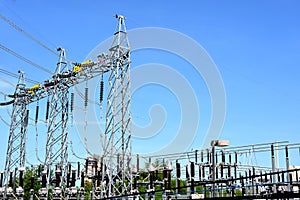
(219, 172)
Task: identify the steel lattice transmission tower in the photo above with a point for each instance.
(16, 148)
(116, 165)
(117, 148)
(57, 119)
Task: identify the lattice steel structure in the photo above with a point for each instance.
(117, 148)
(57, 120)
(16, 149)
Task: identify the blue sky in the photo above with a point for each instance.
(254, 44)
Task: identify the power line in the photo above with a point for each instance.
(6, 81)
(18, 28)
(24, 59)
(3, 71)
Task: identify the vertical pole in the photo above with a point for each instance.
(246, 181)
(222, 164)
(235, 165)
(287, 166)
(187, 178)
(32, 186)
(57, 177)
(209, 164)
(243, 185)
(137, 163)
(82, 185)
(10, 179)
(229, 167)
(15, 178)
(291, 181)
(21, 178)
(251, 178)
(216, 167)
(255, 180)
(213, 170)
(151, 177)
(135, 183)
(68, 179)
(39, 171)
(192, 177)
(200, 170)
(1, 179)
(78, 169)
(44, 179)
(273, 158)
(273, 166)
(169, 179)
(232, 188)
(276, 156)
(165, 178)
(151, 186)
(208, 155)
(178, 177)
(99, 178)
(73, 178)
(297, 179)
(82, 179)
(266, 177)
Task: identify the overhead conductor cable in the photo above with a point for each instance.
(26, 34)
(18, 28)
(25, 59)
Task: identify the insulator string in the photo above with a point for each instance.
(37, 113)
(86, 96)
(47, 110)
(72, 102)
(101, 91)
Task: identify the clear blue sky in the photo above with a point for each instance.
(254, 44)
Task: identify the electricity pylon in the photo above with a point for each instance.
(16, 147)
(117, 149)
(116, 165)
(57, 120)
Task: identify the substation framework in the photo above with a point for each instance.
(216, 173)
(220, 173)
(116, 158)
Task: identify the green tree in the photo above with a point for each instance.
(200, 189)
(88, 187)
(238, 192)
(29, 173)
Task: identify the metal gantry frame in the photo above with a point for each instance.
(57, 120)
(115, 177)
(117, 149)
(16, 147)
